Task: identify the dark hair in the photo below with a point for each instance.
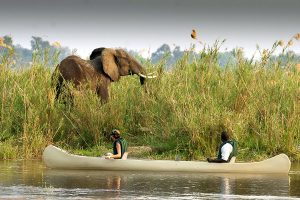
(224, 136)
(115, 133)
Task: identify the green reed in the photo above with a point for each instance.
(180, 113)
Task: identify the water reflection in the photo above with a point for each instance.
(295, 180)
(164, 184)
(225, 186)
(114, 182)
(21, 172)
(32, 178)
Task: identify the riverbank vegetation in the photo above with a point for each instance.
(179, 114)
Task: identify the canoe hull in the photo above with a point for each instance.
(60, 159)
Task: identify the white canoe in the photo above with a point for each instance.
(57, 158)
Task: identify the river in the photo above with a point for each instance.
(32, 180)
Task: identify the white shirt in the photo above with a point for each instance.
(226, 150)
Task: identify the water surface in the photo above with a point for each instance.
(32, 180)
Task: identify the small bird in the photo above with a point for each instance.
(194, 34)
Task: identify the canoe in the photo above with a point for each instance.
(57, 158)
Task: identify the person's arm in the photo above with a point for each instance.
(118, 150)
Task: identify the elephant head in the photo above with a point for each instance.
(106, 65)
(117, 63)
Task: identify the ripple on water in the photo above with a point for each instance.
(31, 180)
(29, 192)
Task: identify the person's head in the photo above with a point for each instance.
(224, 136)
(115, 134)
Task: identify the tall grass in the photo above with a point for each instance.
(181, 112)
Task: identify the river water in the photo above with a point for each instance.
(32, 180)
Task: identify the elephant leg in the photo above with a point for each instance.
(57, 83)
(63, 93)
(102, 92)
(58, 89)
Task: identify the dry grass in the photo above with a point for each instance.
(180, 113)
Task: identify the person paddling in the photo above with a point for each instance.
(227, 150)
(119, 146)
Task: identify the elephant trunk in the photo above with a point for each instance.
(139, 70)
(142, 80)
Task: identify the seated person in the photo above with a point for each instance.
(119, 146)
(227, 150)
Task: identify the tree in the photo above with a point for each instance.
(38, 43)
(8, 40)
(159, 54)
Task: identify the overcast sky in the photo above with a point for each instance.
(147, 24)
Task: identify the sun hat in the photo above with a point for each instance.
(115, 132)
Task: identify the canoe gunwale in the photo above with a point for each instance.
(57, 158)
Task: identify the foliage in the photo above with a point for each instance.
(49, 54)
(181, 112)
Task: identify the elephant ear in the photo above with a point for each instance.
(96, 52)
(109, 64)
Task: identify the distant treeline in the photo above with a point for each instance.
(24, 56)
(164, 55)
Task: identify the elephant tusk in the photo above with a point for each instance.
(146, 76)
(149, 74)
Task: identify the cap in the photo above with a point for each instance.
(115, 132)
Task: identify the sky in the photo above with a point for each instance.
(144, 25)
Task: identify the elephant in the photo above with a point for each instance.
(106, 65)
